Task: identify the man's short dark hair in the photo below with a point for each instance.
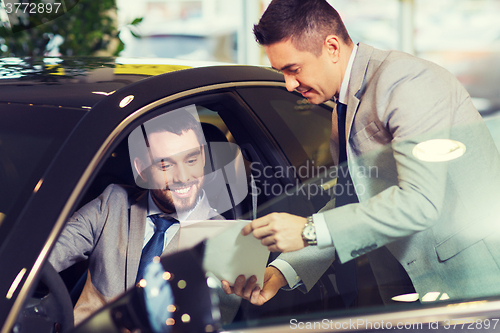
(306, 22)
(177, 122)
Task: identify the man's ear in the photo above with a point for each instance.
(139, 167)
(332, 46)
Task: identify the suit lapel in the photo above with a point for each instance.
(137, 225)
(356, 81)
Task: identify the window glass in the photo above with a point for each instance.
(188, 159)
(301, 129)
(180, 163)
(20, 153)
(29, 138)
(226, 186)
(311, 126)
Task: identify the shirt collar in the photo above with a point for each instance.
(347, 76)
(154, 209)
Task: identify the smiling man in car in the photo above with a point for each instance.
(433, 208)
(122, 230)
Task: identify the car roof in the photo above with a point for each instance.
(81, 82)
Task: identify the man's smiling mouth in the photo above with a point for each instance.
(304, 91)
(182, 190)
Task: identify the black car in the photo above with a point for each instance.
(64, 125)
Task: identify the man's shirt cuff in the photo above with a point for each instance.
(323, 236)
(288, 272)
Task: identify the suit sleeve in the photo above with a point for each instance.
(309, 263)
(82, 231)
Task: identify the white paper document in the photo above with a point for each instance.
(228, 254)
(193, 232)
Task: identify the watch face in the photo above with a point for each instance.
(309, 232)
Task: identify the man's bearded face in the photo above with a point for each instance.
(177, 173)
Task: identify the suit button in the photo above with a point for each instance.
(354, 253)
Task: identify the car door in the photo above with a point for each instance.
(224, 112)
(91, 157)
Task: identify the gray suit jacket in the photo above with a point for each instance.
(109, 232)
(440, 220)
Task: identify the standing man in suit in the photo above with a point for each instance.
(113, 230)
(431, 198)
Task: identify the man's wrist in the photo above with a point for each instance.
(277, 273)
(292, 280)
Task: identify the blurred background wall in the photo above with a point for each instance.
(461, 35)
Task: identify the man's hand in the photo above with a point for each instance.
(273, 281)
(280, 232)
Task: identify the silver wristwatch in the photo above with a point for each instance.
(309, 232)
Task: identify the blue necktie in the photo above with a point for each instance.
(154, 247)
(346, 276)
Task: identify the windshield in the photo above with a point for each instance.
(29, 138)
